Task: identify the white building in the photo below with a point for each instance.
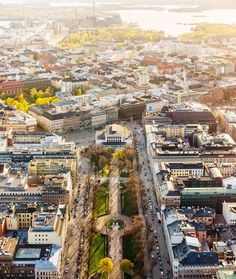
(188, 169)
(229, 213)
(46, 270)
(143, 78)
(115, 136)
(69, 85)
(49, 228)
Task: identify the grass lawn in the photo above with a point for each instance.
(98, 251)
(128, 205)
(101, 205)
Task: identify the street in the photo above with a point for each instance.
(76, 255)
(159, 258)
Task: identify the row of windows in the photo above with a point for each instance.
(25, 219)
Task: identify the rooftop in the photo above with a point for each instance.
(44, 265)
(32, 252)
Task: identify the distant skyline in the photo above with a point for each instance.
(202, 4)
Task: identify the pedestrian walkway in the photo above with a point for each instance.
(116, 252)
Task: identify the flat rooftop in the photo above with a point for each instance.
(33, 252)
(13, 182)
(28, 253)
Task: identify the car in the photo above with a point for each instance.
(67, 270)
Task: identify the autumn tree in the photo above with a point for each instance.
(79, 92)
(33, 94)
(106, 265)
(126, 265)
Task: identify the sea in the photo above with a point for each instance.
(171, 19)
(176, 23)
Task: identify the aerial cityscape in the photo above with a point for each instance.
(117, 139)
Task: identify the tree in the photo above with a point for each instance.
(106, 265)
(138, 222)
(48, 92)
(9, 101)
(126, 265)
(119, 154)
(79, 92)
(102, 162)
(33, 93)
(42, 101)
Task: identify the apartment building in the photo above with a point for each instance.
(37, 83)
(46, 270)
(21, 217)
(49, 166)
(49, 227)
(69, 119)
(19, 260)
(11, 87)
(17, 121)
(229, 212)
(187, 254)
(183, 169)
(69, 85)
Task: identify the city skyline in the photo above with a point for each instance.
(117, 139)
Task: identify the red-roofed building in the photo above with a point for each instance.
(11, 87)
(150, 60)
(169, 68)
